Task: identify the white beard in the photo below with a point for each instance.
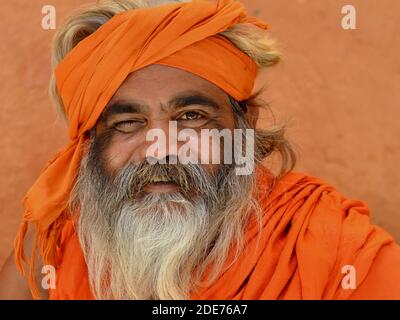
(150, 249)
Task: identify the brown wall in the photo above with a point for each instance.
(338, 90)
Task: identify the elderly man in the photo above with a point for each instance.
(121, 214)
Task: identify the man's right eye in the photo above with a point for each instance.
(128, 126)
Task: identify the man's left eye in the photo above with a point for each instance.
(191, 115)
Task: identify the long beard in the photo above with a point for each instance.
(140, 245)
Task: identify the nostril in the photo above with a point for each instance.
(171, 159)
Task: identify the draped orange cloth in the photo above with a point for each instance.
(181, 35)
(310, 232)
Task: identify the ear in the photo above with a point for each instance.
(252, 115)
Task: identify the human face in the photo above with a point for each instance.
(151, 239)
(149, 99)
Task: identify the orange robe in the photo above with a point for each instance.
(310, 232)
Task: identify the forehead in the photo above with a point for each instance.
(158, 83)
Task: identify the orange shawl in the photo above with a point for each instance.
(181, 35)
(310, 231)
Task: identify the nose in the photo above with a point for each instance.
(168, 159)
(161, 142)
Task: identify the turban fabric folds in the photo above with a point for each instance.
(181, 35)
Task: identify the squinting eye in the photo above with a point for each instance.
(191, 115)
(127, 126)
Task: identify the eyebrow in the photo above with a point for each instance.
(193, 98)
(120, 107)
(178, 102)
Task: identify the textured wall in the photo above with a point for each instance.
(337, 89)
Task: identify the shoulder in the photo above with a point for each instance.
(337, 229)
(305, 190)
(382, 280)
(326, 210)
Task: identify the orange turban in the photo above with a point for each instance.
(181, 35)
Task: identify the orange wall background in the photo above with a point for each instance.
(338, 90)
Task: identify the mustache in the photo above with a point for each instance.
(190, 178)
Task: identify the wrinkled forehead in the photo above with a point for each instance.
(161, 85)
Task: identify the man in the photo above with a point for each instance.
(121, 214)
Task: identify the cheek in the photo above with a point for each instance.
(120, 151)
(208, 149)
(213, 149)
